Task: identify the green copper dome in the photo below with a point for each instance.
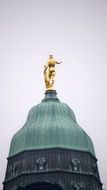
(51, 124)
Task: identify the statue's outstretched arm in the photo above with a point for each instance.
(58, 62)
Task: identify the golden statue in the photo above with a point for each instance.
(49, 72)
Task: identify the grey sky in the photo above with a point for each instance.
(75, 32)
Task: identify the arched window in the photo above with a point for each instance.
(42, 186)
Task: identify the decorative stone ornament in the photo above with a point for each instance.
(78, 187)
(13, 169)
(75, 165)
(41, 163)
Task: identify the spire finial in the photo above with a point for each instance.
(49, 72)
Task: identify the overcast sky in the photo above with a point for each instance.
(75, 32)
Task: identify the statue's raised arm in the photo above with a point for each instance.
(49, 72)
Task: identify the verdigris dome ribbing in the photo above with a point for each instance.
(51, 124)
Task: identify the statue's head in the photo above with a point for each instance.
(50, 56)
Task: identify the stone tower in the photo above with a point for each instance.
(51, 151)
